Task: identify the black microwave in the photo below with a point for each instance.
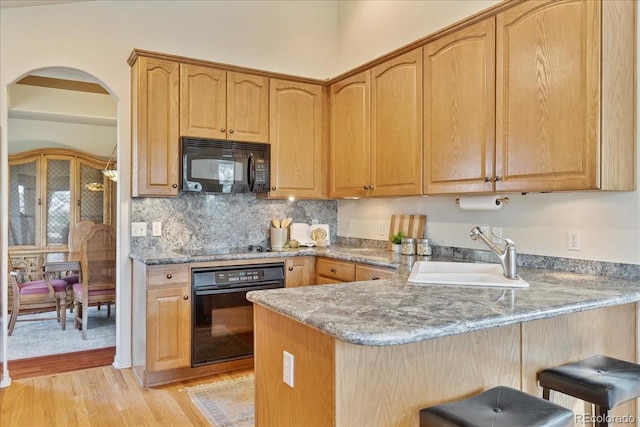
(221, 166)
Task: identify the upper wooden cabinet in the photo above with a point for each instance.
(296, 129)
(350, 137)
(376, 130)
(396, 126)
(223, 104)
(155, 145)
(459, 110)
(565, 100)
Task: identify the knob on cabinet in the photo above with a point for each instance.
(223, 130)
(231, 131)
(273, 188)
(175, 185)
(185, 297)
(290, 268)
(169, 276)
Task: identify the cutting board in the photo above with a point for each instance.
(412, 225)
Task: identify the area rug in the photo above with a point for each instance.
(46, 337)
(227, 403)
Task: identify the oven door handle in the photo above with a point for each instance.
(231, 289)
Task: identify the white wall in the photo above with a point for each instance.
(609, 222)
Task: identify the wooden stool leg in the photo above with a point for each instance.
(602, 416)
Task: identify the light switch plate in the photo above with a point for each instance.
(287, 368)
(156, 228)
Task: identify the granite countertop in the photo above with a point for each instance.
(391, 312)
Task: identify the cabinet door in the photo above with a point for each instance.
(459, 111)
(296, 139)
(155, 149)
(396, 126)
(298, 271)
(350, 137)
(168, 328)
(547, 102)
(203, 102)
(247, 107)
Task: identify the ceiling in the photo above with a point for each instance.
(25, 3)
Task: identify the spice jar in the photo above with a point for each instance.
(422, 247)
(408, 246)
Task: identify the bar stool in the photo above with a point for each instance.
(498, 407)
(600, 380)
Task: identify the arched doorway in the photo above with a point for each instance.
(64, 109)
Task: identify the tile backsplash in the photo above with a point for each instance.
(214, 221)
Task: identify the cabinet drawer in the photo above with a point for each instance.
(367, 272)
(167, 275)
(342, 271)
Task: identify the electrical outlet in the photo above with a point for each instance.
(381, 229)
(496, 235)
(156, 228)
(138, 229)
(287, 368)
(573, 240)
(486, 230)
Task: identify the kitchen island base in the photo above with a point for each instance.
(337, 383)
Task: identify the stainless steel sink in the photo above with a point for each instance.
(425, 273)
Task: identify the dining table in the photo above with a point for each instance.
(55, 262)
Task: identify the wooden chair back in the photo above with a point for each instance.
(98, 258)
(76, 234)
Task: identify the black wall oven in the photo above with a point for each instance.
(222, 316)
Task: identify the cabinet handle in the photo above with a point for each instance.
(375, 278)
(169, 276)
(175, 185)
(333, 270)
(366, 187)
(273, 188)
(487, 179)
(290, 268)
(371, 187)
(185, 297)
(223, 130)
(498, 178)
(231, 131)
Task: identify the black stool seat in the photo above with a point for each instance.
(497, 407)
(601, 380)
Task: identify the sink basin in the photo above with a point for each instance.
(427, 273)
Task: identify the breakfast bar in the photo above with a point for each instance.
(374, 353)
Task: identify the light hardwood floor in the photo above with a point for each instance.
(102, 396)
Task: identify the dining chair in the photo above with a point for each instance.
(98, 284)
(76, 234)
(38, 294)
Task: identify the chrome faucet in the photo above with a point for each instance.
(507, 257)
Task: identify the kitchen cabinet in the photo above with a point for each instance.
(155, 149)
(368, 272)
(459, 110)
(564, 101)
(161, 318)
(297, 122)
(223, 104)
(334, 271)
(565, 96)
(396, 126)
(376, 130)
(299, 271)
(350, 161)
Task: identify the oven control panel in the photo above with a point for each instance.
(216, 277)
(233, 276)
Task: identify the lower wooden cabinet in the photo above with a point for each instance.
(299, 271)
(368, 272)
(330, 271)
(161, 335)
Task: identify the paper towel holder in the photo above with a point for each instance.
(499, 200)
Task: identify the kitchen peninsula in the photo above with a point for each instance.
(374, 353)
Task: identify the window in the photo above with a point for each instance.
(49, 192)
